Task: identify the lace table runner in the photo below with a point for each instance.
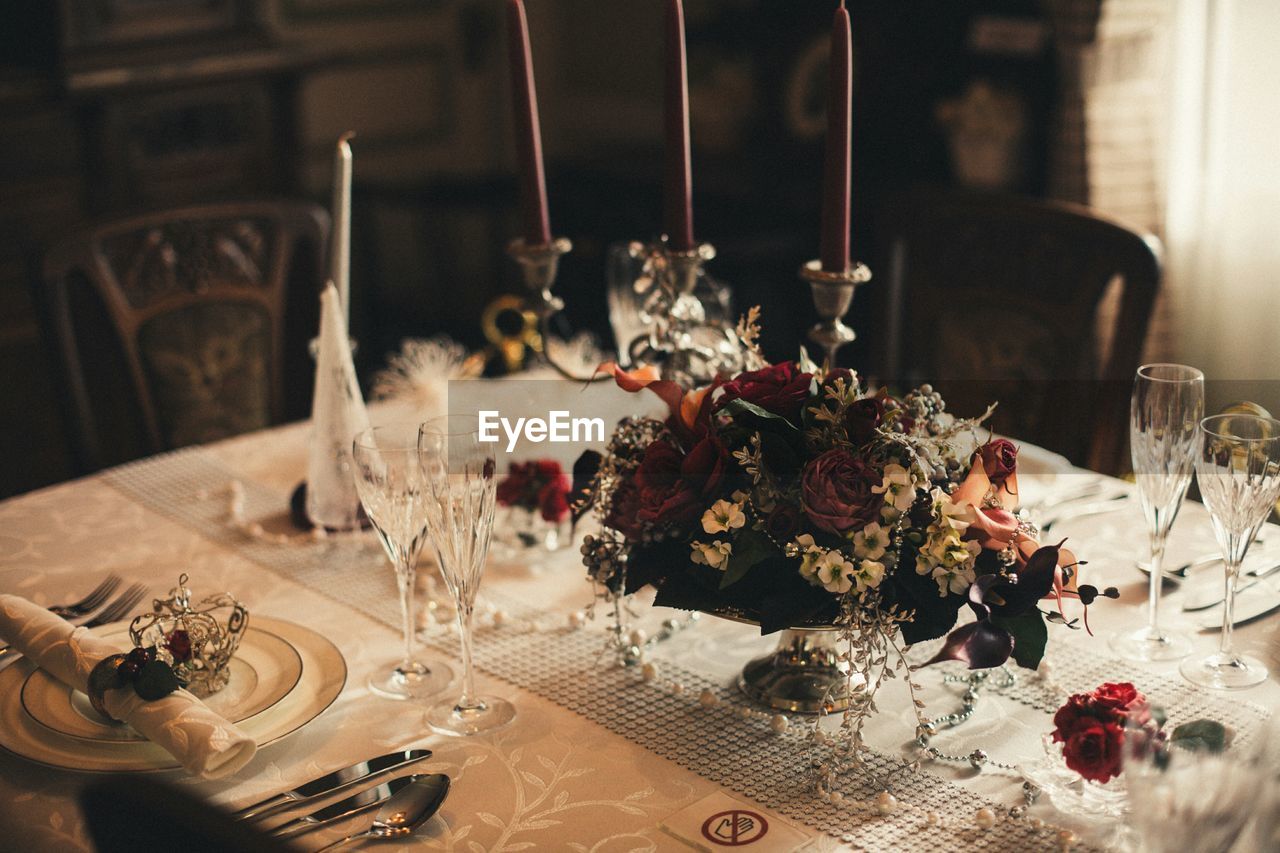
(566, 667)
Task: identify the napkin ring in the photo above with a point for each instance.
(105, 676)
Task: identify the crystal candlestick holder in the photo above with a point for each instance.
(832, 296)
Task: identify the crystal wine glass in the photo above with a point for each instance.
(1238, 470)
(461, 478)
(393, 490)
(1167, 404)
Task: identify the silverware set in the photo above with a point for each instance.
(342, 794)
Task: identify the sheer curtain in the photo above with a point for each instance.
(1222, 224)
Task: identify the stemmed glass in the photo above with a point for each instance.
(392, 487)
(1238, 469)
(1167, 404)
(460, 476)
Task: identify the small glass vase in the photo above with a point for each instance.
(1070, 792)
(523, 535)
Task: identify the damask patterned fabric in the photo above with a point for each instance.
(208, 367)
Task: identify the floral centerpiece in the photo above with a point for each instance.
(796, 496)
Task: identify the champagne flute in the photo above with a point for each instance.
(1167, 404)
(1238, 469)
(393, 490)
(460, 476)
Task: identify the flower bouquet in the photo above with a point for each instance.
(795, 497)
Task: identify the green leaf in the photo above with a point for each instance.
(155, 680)
(1029, 636)
(749, 413)
(1200, 734)
(749, 548)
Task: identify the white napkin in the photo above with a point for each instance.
(337, 414)
(202, 741)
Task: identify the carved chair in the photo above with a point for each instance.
(995, 298)
(172, 326)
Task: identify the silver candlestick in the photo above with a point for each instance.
(539, 265)
(832, 296)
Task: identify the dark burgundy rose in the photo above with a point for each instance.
(778, 388)
(553, 500)
(999, 460)
(861, 419)
(534, 486)
(783, 522)
(513, 489)
(179, 645)
(836, 490)
(839, 373)
(1094, 750)
(669, 487)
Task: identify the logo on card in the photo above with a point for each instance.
(735, 828)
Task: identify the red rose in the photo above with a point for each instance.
(179, 645)
(783, 522)
(999, 460)
(778, 388)
(1094, 750)
(669, 487)
(514, 489)
(836, 490)
(861, 419)
(553, 500)
(1120, 696)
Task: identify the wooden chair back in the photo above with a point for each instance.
(995, 298)
(191, 303)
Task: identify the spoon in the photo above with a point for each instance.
(410, 807)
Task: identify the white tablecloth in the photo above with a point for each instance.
(554, 779)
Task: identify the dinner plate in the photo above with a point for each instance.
(265, 669)
(324, 674)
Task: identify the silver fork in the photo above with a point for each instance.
(118, 609)
(90, 602)
(104, 614)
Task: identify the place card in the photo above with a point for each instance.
(719, 821)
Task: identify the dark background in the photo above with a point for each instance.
(114, 106)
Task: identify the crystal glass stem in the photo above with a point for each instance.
(1156, 581)
(1226, 644)
(405, 576)
(466, 615)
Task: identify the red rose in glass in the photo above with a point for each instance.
(999, 460)
(553, 500)
(778, 388)
(1094, 750)
(836, 490)
(668, 487)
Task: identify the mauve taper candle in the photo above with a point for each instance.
(524, 100)
(836, 180)
(678, 188)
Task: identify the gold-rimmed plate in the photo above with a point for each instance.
(266, 668)
(324, 674)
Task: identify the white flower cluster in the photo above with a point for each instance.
(944, 554)
(899, 490)
(722, 517)
(832, 570)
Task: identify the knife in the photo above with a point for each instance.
(1258, 601)
(1206, 595)
(342, 810)
(334, 786)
